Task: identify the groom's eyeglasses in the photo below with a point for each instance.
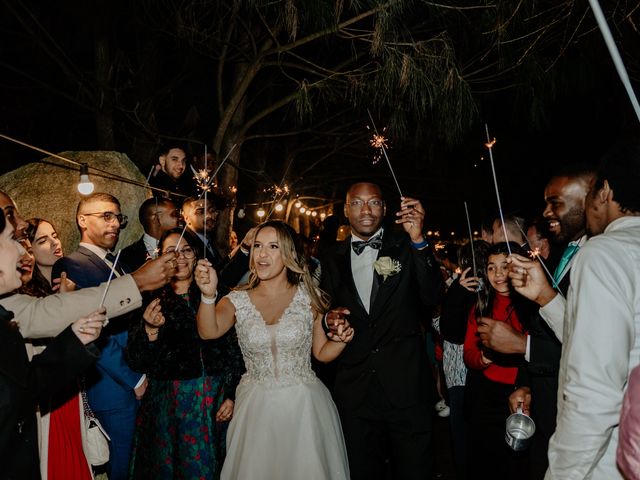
(373, 203)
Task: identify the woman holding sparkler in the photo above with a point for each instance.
(285, 424)
(181, 423)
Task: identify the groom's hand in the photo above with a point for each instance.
(336, 318)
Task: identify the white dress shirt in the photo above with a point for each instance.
(601, 345)
(362, 269)
(151, 244)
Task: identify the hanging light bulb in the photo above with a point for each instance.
(314, 214)
(241, 213)
(302, 209)
(298, 204)
(261, 213)
(279, 207)
(323, 216)
(308, 212)
(85, 187)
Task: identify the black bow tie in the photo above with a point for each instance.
(374, 242)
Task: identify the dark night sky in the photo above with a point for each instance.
(590, 109)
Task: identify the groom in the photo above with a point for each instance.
(383, 283)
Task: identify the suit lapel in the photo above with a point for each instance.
(385, 288)
(97, 261)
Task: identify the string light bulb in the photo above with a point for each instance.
(261, 213)
(298, 204)
(85, 187)
(302, 209)
(323, 216)
(279, 207)
(314, 214)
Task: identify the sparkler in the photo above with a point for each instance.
(615, 54)
(106, 288)
(208, 184)
(473, 253)
(490, 143)
(535, 254)
(146, 183)
(380, 142)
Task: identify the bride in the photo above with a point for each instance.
(285, 424)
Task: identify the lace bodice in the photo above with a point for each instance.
(278, 354)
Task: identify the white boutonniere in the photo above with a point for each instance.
(387, 267)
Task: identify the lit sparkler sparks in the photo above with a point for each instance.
(202, 180)
(379, 142)
(383, 149)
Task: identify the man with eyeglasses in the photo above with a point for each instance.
(383, 283)
(113, 389)
(232, 268)
(156, 215)
(48, 316)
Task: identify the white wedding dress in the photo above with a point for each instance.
(285, 425)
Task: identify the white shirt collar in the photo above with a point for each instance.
(356, 238)
(99, 251)
(151, 244)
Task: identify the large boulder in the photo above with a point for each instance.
(48, 189)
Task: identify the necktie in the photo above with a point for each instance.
(568, 254)
(374, 242)
(112, 258)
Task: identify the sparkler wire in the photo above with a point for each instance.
(495, 183)
(106, 288)
(615, 54)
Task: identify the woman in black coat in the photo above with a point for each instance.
(22, 383)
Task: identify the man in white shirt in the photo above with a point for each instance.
(112, 387)
(601, 343)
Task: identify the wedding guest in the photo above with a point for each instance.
(565, 195)
(231, 268)
(172, 178)
(605, 284)
(492, 375)
(27, 262)
(113, 389)
(456, 304)
(182, 420)
(627, 456)
(285, 424)
(383, 384)
(61, 416)
(24, 383)
(514, 227)
(156, 215)
(48, 316)
(47, 249)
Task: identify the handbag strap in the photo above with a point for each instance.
(88, 413)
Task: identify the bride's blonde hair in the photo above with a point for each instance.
(295, 261)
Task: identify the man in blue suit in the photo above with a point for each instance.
(113, 389)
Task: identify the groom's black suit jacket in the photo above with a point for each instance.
(388, 343)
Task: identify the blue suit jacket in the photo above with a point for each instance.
(110, 385)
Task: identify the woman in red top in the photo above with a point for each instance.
(492, 375)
